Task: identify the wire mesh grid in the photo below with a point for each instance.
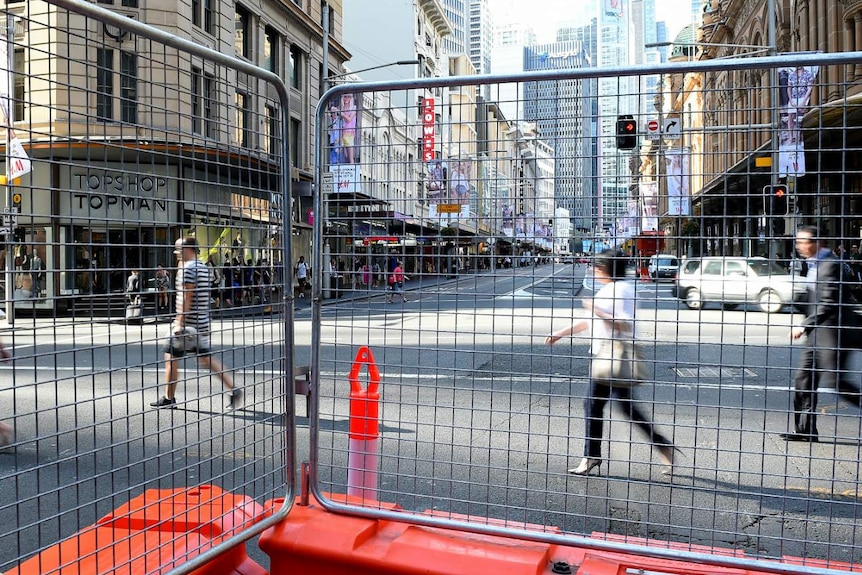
(122, 145)
(488, 206)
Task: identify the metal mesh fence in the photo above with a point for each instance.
(464, 223)
(124, 141)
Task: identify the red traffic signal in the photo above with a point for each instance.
(627, 133)
(775, 200)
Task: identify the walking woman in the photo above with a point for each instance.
(613, 316)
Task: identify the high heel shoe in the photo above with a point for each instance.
(667, 454)
(586, 465)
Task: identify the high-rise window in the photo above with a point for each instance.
(104, 84)
(242, 120)
(271, 45)
(242, 41)
(197, 104)
(20, 83)
(128, 87)
(295, 67)
(208, 16)
(270, 129)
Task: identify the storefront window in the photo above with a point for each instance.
(32, 276)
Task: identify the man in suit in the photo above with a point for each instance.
(827, 327)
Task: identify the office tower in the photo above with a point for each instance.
(560, 111)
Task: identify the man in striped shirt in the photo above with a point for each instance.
(190, 331)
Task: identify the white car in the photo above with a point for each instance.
(731, 281)
(662, 266)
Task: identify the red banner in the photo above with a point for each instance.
(427, 129)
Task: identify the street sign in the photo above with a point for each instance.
(10, 216)
(653, 131)
(448, 208)
(328, 186)
(672, 129)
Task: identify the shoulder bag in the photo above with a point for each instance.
(618, 363)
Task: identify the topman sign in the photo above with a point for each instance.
(148, 195)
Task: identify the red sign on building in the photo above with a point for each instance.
(427, 129)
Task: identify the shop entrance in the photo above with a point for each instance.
(103, 259)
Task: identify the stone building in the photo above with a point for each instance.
(133, 144)
(820, 170)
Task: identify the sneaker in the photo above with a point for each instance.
(164, 402)
(235, 401)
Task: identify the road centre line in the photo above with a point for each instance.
(401, 378)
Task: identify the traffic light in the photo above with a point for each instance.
(16, 202)
(627, 133)
(775, 200)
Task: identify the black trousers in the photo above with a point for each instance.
(822, 364)
(594, 407)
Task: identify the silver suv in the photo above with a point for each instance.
(731, 281)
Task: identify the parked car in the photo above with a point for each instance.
(662, 266)
(731, 281)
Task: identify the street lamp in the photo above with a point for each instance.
(350, 73)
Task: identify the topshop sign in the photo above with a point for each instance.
(120, 194)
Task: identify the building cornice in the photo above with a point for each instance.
(437, 16)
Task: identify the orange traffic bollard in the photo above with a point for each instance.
(363, 450)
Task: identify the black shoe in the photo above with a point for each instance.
(807, 438)
(164, 402)
(235, 401)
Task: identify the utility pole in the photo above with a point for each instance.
(774, 119)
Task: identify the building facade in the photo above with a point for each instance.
(743, 141)
(116, 178)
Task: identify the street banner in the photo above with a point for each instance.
(678, 177)
(345, 123)
(450, 186)
(435, 181)
(795, 84)
(17, 160)
(508, 220)
(461, 182)
(649, 206)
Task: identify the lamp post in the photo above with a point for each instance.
(352, 72)
(9, 103)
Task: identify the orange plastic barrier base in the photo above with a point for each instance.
(154, 533)
(311, 540)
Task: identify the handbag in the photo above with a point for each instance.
(618, 364)
(134, 310)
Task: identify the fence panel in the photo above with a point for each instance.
(127, 138)
(493, 197)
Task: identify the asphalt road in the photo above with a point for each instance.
(478, 417)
